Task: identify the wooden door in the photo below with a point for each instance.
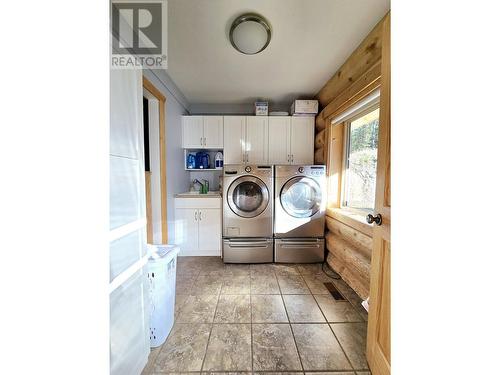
(186, 230)
(213, 132)
(379, 316)
(234, 139)
(256, 144)
(192, 131)
(302, 140)
(279, 140)
(210, 231)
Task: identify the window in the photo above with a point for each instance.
(361, 134)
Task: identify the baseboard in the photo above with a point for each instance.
(208, 253)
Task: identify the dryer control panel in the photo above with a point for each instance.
(305, 170)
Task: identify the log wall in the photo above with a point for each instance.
(349, 255)
(349, 241)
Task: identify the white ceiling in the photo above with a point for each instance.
(310, 41)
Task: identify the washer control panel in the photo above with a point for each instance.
(258, 170)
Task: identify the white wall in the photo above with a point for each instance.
(233, 109)
(176, 106)
(211, 176)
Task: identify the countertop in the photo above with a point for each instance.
(188, 194)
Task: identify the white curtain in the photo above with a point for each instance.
(128, 287)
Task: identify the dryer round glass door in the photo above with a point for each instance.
(248, 196)
(301, 197)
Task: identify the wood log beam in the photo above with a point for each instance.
(359, 240)
(319, 156)
(319, 140)
(350, 256)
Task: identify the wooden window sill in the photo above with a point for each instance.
(354, 219)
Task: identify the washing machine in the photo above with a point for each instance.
(299, 215)
(248, 196)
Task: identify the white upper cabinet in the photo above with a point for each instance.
(256, 143)
(202, 132)
(253, 139)
(192, 131)
(302, 140)
(234, 139)
(213, 131)
(279, 139)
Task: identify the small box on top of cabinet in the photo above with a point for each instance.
(304, 107)
(261, 108)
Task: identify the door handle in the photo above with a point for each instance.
(377, 219)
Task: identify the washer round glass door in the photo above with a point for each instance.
(248, 196)
(301, 197)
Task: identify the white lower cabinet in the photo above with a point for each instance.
(209, 230)
(198, 226)
(186, 229)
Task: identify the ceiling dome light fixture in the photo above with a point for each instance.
(250, 34)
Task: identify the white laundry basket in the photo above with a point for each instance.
(162, 265)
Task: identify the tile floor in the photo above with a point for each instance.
(261, 318)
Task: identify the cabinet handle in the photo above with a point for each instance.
(195, 215)
(292, 158)
(201, 141)
(205, 141)
(288, 158)
(199, 215)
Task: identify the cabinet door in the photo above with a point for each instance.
(302, 140)
(234, 139)
(209, 224)
(256, 145)
(186, 229)
(213, 132)
(279, 140)
(192, 131)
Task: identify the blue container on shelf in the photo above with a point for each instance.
(202, 160)
(191, 161)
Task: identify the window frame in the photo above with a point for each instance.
(346, 123)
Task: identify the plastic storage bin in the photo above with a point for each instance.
(162, 265)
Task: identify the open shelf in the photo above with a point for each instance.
(211, 154)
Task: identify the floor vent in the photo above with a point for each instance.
(334, 292)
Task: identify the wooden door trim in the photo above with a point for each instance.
(146, 84)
